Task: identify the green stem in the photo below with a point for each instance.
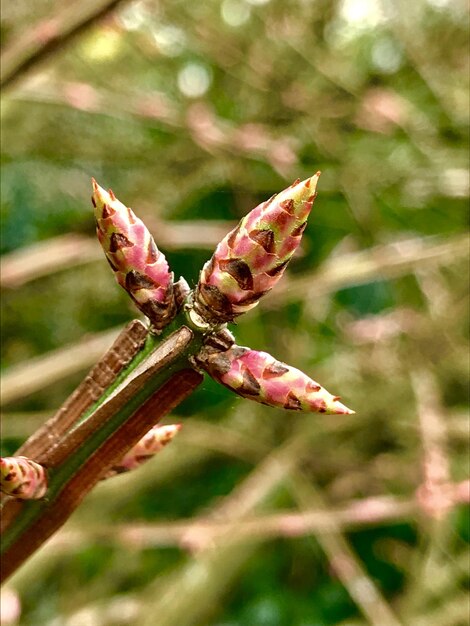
(151, 343)
(124, 349)
(155, 381)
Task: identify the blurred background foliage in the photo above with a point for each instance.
(194, 112)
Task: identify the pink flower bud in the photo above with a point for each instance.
(251, 259)
(151, 443)
(140, 268)
(259, 376)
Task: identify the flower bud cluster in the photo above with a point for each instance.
(246, 264)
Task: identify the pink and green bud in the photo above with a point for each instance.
(22, 478)
(140, 268)
(259, 376)
(251, 259)
(151, 443)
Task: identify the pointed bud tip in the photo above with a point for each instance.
(172, 429)
(97, 190)
(313, 181)
(339, 408)
(309, 185)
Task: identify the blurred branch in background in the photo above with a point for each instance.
(282, 524)
(435, 491)
(351, 516)
(343, 561)
(386, 261)
(69, 251)
(187, 595)
(208, 130)
(37, 373)
(50, 35)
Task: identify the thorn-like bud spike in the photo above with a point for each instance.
(140, 268)
(251, 259)
(259, 376)
(151, 443)
(22, 478)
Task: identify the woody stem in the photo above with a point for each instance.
(150, 390)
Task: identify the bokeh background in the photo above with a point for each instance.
(194, 112)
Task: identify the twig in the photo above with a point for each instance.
(343, 560)
(379, 263)
(153, 388)
(126, 346)
(51, 34)
(356, 514)
(47, 257)
(59, 253)
(353, 515)
(26, 378)
(434, 493)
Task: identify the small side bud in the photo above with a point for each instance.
(22, 478)
(259, 376)
(150, 444)
(139, 266)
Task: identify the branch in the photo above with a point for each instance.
(152, 389)
(343, 559)
(356, 514)
(351, 516)
(434, 493)
(101, 376)
(49, 35)
(26, 378)
(72, 250)
(383, 262)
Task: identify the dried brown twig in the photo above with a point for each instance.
(342, 558)
(59, 253)
(25, 378)
(351, 516)
(52, 33)
(386, 261)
